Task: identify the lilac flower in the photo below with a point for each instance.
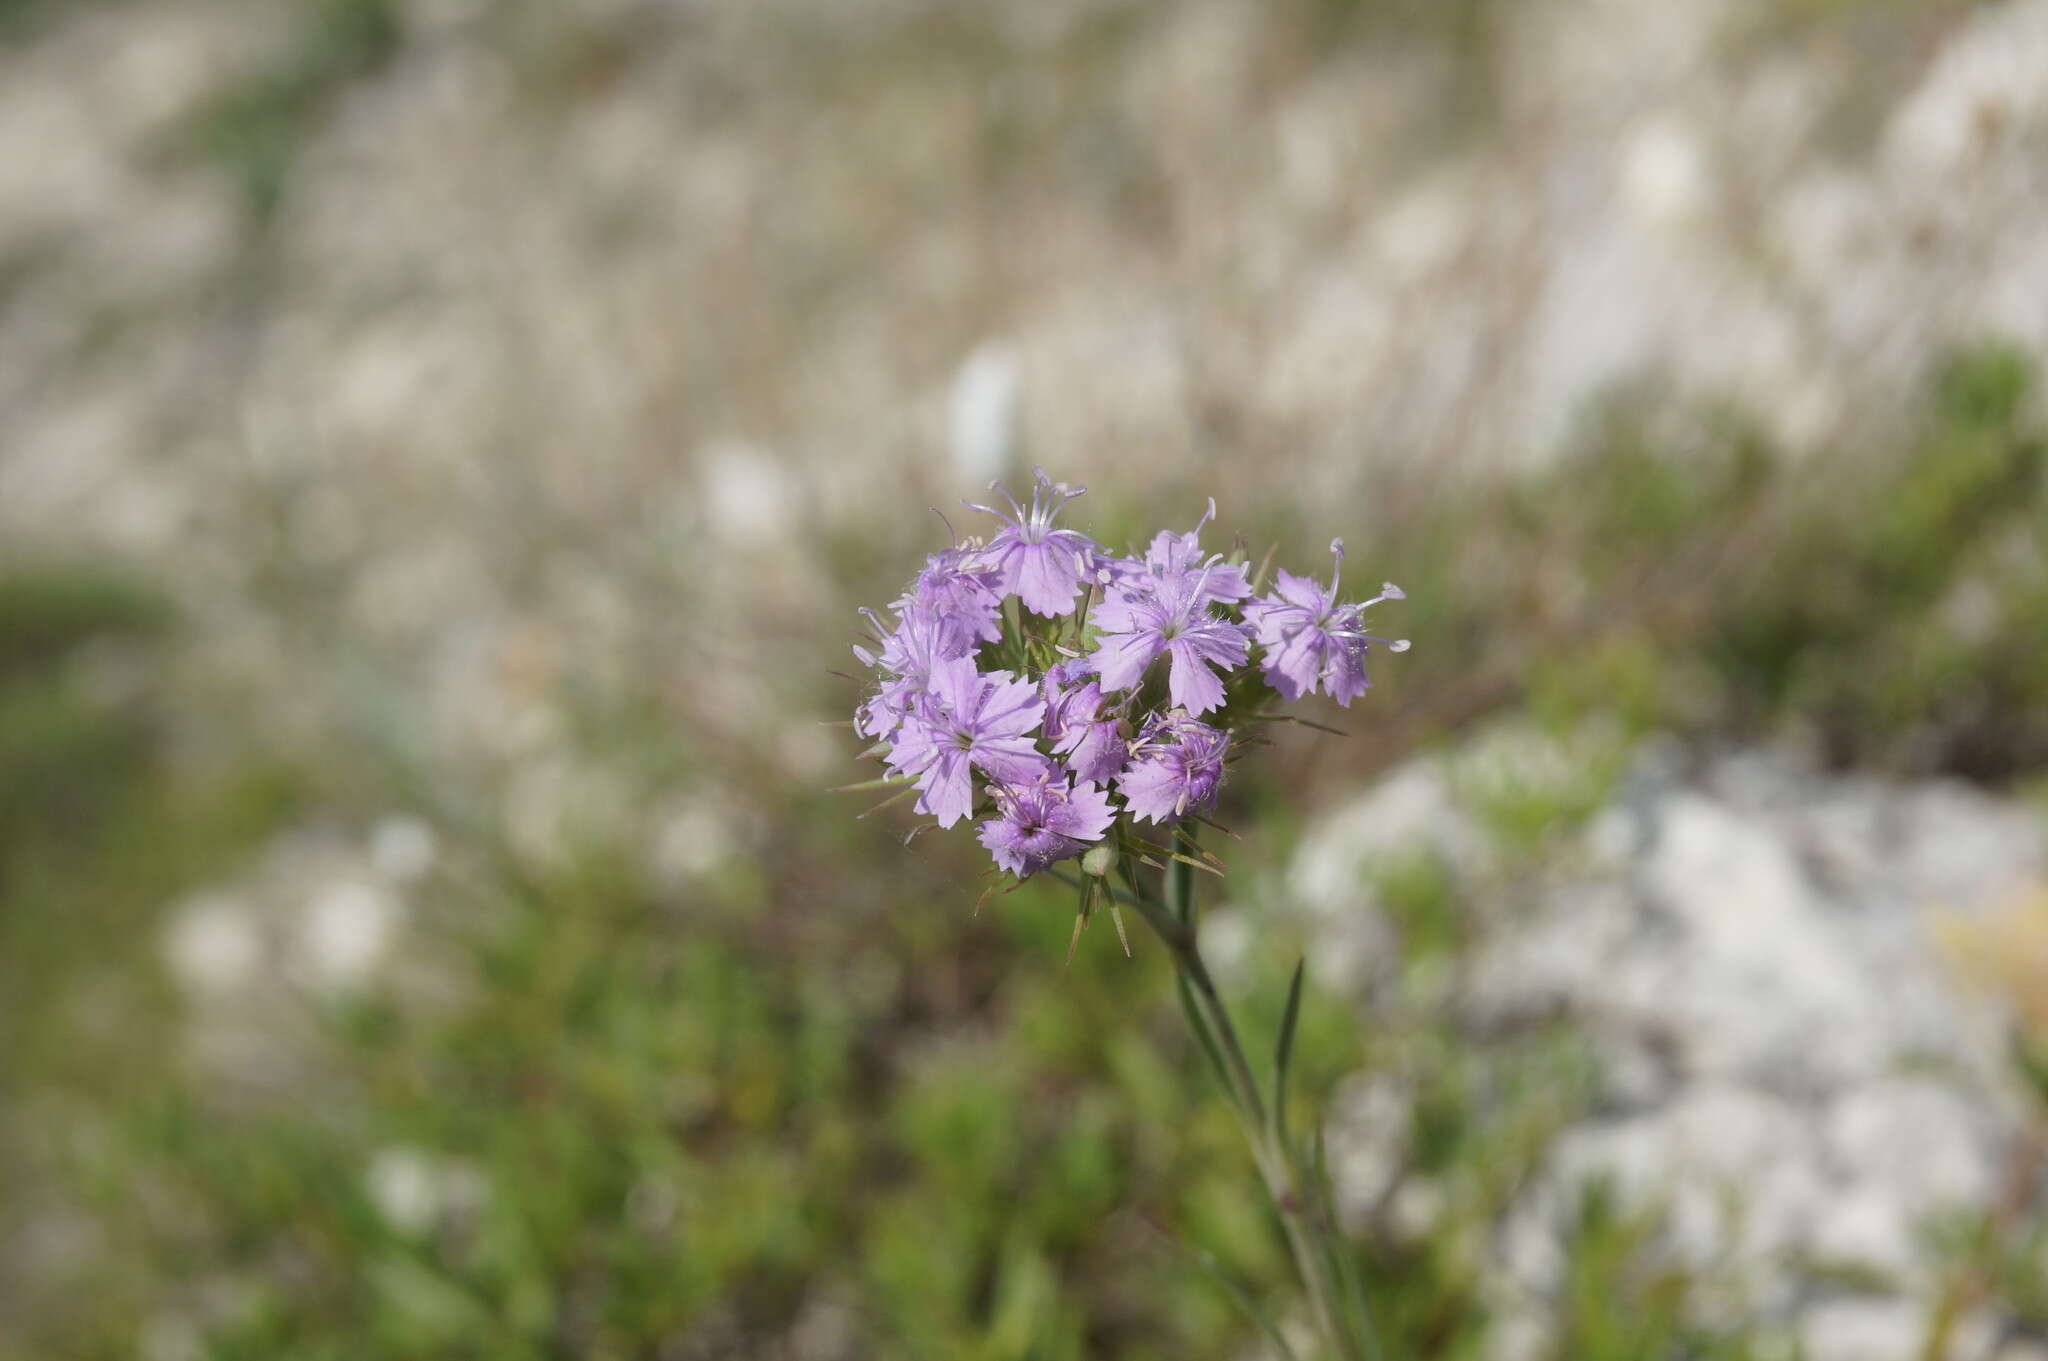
(965, 720)
(1042, 566)
(1044, 821)
(1170, 616)
(1176, 766)
(1310, 641)
(906, 657)
(1176, 557)
(1094, 748)
(961, 596)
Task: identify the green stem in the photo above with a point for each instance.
(1173, 919)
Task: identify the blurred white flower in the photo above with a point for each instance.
(402, 847)
(1428, 227)
(691, 842)
(982, 415)
(212, 945)
(345, 932)
(415, 1190)
(746, 494)
(1664, 172)
(402, 1182)
(1227, 940)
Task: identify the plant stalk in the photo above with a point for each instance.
(1172, 917)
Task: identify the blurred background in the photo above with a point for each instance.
(443, 444)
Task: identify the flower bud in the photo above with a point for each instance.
(1100, 860)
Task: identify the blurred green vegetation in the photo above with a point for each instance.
(808, 1105)
(1881, 602)
(253, 128)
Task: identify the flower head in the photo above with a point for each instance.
(1043, 821)
(1093, 745)
(1176, 767)
(1074, 737)
(960, 595)
(967, 721)
(1312, 642)
(1040, 565)
(1169, 615)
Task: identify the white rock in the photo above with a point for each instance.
(1864, 1330)
(1865, 1226)
(1412, 811)
(1788, 1072)
(1757, 983)
(1928, 1146)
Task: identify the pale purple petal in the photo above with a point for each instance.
(1122, 659)
(1194, 686)
(948, 788)
(1099, 756)
(1008, 708)
(1304, 592)
(1151, 791)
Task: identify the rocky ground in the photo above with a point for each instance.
(513, 401)
(1800, 993)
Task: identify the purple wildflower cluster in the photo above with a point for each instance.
(1060, 704)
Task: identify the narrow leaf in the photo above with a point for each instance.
(1239, 1296)
(1180, 892)
(1283, 1053)
(1199, 1023)
(1357, 1312)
